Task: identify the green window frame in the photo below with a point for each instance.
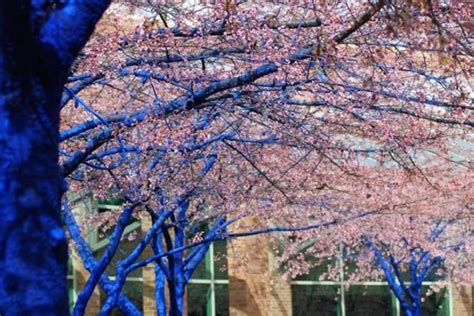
(209, 285)
(437, 304)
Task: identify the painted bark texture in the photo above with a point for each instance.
(36, 50)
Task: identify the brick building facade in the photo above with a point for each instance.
(253, 288)
(238, 279)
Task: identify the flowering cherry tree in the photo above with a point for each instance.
(420, 232)
(215, 113)
(303, 116)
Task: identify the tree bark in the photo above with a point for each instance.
(33, 248)
(35, 55)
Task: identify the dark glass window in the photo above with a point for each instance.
(203, 271)
(198, 298)
(222, 299)
(370, 300)
(220, 260)
(133, 290)
(317, 300)
(70, 286)
(124, 249)
(436, 304)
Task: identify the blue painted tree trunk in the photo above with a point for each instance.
(38, 42)
(421, 263)
(33, 248)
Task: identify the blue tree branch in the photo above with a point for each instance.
(84, 296)
(68, 27)
(90, 263)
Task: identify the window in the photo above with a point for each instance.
(365, 300)
(70, 285)
(124, 249)
(314, 296)
(315, 300)
(208, 290)
(133, 289)
(436, 304)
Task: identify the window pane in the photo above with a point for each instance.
(70, 268)
(320, 267)
(133, 290)
(368, 300)
(436, 275)
(222, 299)
(124, 249)
(198, 296)
(317, 300)
(70, 286)
(220, 260)
(116, 202)
(436, 304)
(203, 271)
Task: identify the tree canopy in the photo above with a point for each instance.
(330, 120)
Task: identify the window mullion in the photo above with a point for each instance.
(212, 310)
(341, 287)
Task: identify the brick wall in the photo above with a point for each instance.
(254, 288)
(82, 207)
(280, 292)
(462, 300)
(148, 274)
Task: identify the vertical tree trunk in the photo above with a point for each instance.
(39, 40)
(180, 299)
(176, 297)
(173, 298)
(416, 307)
(413, 310)
(160, 297)
(33, 248)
